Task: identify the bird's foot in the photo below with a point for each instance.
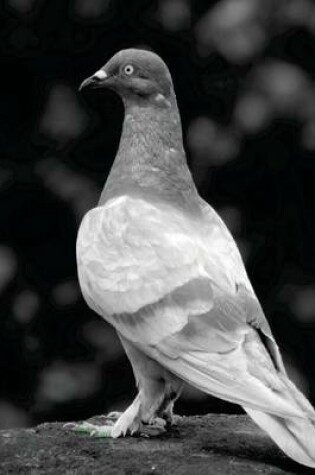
(112, 425)
(119, 428)
(173, 420)
(170, 418)
(104, 428)
(154, 428)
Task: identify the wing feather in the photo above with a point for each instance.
(176, 287)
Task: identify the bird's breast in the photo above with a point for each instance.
(131, 253)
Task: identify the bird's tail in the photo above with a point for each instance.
(250, 377)
(294, 435)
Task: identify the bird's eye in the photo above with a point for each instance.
(129, 69)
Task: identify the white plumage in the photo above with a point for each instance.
(159, 264)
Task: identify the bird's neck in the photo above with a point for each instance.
(151, 160)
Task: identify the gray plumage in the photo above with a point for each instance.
(158, 263)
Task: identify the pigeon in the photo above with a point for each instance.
(157, 262)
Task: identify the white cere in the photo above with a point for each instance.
(129, 69)
(101, 74)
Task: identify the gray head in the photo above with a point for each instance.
(136, 75)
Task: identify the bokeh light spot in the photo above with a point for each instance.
(63, 118)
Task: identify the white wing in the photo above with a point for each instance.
(175, 286)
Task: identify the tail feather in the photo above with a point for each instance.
(299, 398)
(248, 376)
(283, 412)
(295, 437)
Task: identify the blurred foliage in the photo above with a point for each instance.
(244, 76)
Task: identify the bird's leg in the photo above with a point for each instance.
(152, 393)
(167, 407)
(143, 419)
(150, 380)
(142, 416)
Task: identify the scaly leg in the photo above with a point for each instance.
(166, 409)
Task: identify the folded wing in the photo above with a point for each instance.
(175, 286)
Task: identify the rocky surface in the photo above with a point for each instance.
(201, 445)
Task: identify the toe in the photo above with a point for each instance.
(155, 428)
(84, 427)
(174, 420)
(105, 431)
(91, 429)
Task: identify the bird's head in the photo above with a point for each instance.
(136, 75)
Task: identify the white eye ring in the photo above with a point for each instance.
(129, 69)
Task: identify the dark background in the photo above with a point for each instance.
(244, 76)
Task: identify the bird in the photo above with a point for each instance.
(158, 263)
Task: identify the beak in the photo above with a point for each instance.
(96, 81)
